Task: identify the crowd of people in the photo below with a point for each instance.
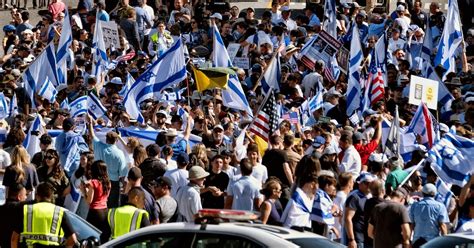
(323, 173)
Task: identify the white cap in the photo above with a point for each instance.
(285, 8)
(116, 80)
(400, 8)
(217, 16)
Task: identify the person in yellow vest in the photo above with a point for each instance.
(43, 224)
(160, 40)
(130, 217)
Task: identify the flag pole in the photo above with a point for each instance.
(410, 174)
(263, 73)
(263, 103)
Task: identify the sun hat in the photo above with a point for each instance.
(197, 172)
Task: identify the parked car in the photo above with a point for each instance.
(458, 240)
(211, 232)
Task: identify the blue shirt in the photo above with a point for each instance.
(143, 19)
(113, 157)
(426, 215)
(244, 191)
(64, 144)
(314, 20)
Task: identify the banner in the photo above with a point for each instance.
(323, 48)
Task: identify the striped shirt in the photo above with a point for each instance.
(322, 205)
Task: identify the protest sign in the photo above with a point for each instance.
(324, 47)
(242, 62)
(111, 36)
(423, 90)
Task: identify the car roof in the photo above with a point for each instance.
(466, 235)
(259, 235)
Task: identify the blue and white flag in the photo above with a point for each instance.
(100, 60)
(272, 76)
(444, 193)
(316, 102)
(450, 39)
(65, 41)
(330, 20)
(95, 107)
(427, 47)
(32, 142)
(65, 104)
(13, 106)
(168, 69)
(353, 88)
(42, 68)
(452, 158)
(129, 81)
(48, 91)
(392, 145)
(233, 96)
(78, 106)
(4, 108)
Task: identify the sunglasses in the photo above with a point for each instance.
(49, 157)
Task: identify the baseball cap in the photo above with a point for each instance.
(400, 8)
(162, 181)
(429, 189)
(285, 8)
(366, 177)
(329, 150)
(218, 126)
(358, 136)
(319, 141)
(217, 16)
(182, 158)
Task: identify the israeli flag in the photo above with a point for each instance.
(233, 96)
(272, 75)
(95, 107)
(4, 108)
(78, 106)
(168, 69)
(450, 39)
(316, 102)
(330, 22)
(172, 96)
(65, 41)
(427, 47)
(32, 142)
(100, 60)
(48, 91)
(65, 104)
(444, 193)
(423, 124)
(353, 87)
(129, 81)
(42, 68)
(13, 106)
(452, 158)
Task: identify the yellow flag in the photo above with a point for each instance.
(211, 78)
(262, 144)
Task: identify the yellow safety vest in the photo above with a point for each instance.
(42, 224)
(125, 219)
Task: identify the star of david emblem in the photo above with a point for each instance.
(448, 152)
(93, 107)
(79, 106)
(147, 76)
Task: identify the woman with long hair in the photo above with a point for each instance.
(97, 191)
(21, 171)
(199, 156)
(271, 208)
(51, 171)
(139, 155)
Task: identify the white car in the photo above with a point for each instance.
(219, 235)
(458, 240)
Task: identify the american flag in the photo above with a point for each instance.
(375, 83)
(291, 116)
(266, 121)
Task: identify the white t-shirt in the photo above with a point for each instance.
(260, 173)
(339, 201)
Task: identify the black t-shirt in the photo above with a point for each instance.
(219, 181)
(370, 204)
(387, 218)
(356, 201)
(274, 159)
(10, 211)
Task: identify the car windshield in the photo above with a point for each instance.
(314, 242)
(82, 228)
